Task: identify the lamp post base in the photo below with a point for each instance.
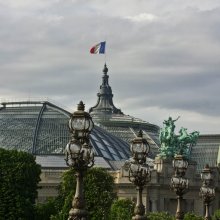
(207, 214)
(139, 217)
(179, 215)
(78, 214)
(139, 213)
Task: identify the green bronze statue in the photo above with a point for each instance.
(172, 144)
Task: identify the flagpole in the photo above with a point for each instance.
(105, 52)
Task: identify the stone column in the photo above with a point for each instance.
(154, 205)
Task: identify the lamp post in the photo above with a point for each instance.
(80, 157)
(139, 173)
(207, 192)
(179, 184)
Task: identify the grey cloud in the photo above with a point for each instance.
(171, 63)
(198, 92)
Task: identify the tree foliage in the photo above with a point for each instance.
(19, 177)
(192, 216)
(122, 209)
(43, 211)
(167, 216)
(216, 215)
(159, 216)
(99, 195)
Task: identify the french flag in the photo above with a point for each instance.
(98, 48)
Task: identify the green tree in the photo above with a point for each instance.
(159, 216)
(99, 195)
(43, 211)
(216, 215)
(122, 209)
(192, 216)
(19, 177)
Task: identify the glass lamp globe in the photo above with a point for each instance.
(180, 165)
(179, 182)
(179, 162)
(184, 183)
(134, 168)
(140, 147)
(81, 122)
(88, 154)
(206, 174)
(72, 151)
(207, 191)
(73, 147)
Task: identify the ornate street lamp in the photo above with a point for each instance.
(140, 148)
(179, 184)
(139, 172)
(207, 192)
(80, 157)
(180, 165)
(80, 123)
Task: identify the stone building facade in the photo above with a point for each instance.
(157, 195)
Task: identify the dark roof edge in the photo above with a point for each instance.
(209, 135)
(34, 102)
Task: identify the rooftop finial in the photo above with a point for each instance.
(105, 70)
(105, 104)
(81, 106)
(140, 133)
(206, 166)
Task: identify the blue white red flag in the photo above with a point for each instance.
(99, 48)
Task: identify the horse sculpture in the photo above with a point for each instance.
(172, 144)
(167, 138)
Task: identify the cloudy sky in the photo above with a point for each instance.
(163, 56)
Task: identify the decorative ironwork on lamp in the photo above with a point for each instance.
(80, 123)
(179, 183)
(80, 157)
(139, 171)
(207, 191)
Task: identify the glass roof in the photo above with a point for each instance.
(41, 129)
(58, 162)
(129, 132)
(206, 151)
